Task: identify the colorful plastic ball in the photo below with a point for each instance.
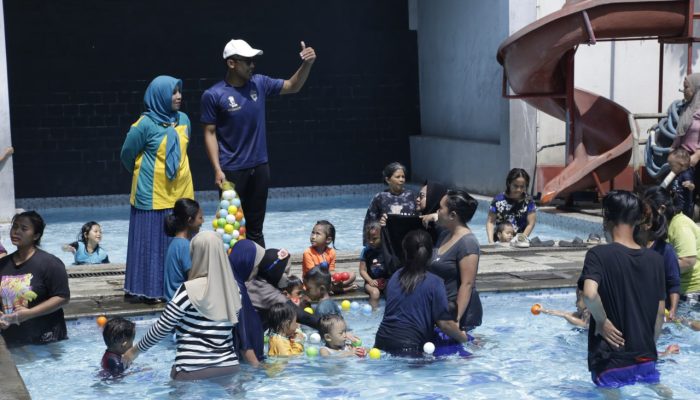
(375, 354)
(228, 228)
(428, 348)
(243, 222)
(536, 309)
(242, 230)
(101, 321)
(236, 224)
(367, 309)
(226, 246)
(220, 231)
(315, 338)
(357, 343)
(228, 194)
(224, 204)
(215, 223)
(230, 219)
(239, 215)
(266, 339)
(335, 277)
(236, 202)
(227, 237)
(232, 242)
(311, 351)
(241, 237)
(235, 234)
(232, 209)
(344, 276)
(309, 310)
(345, 305)
(222, 222)
(354, 305)
(222, 213)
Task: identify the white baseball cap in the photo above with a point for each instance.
(239, 47)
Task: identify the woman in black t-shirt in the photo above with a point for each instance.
(40, 320)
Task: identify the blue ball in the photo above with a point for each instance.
(236, 202)
(226, 246)
(354, 305)
(367, 309)
(224, 204)
(243, 222)
(227, 238)
(323, 264)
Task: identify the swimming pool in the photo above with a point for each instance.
(287, 224)
(520, 356)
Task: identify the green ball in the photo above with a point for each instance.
(311, 351)
(236, 225)
(357, 343)
(222, 222)
(266, 339)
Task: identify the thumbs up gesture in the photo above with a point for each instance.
(307, 54)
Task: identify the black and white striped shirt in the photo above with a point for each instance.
(201, 343)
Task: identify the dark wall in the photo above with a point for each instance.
(78, 71)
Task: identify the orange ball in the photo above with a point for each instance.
(242, 230)
(239, 215)
(535, 309)
(101, 321)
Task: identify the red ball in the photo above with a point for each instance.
(337, 277)
(344, 276)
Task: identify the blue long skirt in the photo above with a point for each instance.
(145, 255)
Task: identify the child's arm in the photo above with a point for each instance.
(307, 262)
(70, 248)
(363, 273)
(569, 317)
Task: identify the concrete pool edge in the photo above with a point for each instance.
(11, 381)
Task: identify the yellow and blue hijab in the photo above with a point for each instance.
(158, 102)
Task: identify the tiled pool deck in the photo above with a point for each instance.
(97, 289)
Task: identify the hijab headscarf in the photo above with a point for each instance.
(273, 269)
(691, 107)
(211, 286)
(244, 258)
(158, 101)
(433, 194)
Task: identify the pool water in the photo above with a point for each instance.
(519, 356)
(288, 224)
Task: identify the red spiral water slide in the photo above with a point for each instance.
(538, 64)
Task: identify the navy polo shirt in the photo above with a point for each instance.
(239, 116)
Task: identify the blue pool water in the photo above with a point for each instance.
(287, 224)
(519, 356)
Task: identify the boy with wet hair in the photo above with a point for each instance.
(118, 335)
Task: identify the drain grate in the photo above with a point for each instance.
(94, 274)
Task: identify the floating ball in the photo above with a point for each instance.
(367, 309)
(357, 343)
(222, 222)
(344, 276)
(428, 348)
(232, 210)
(315, 338)
(222, 213)
(239, 215)
(220, 231)
(536, 309)
(101, 321)
(235, 234)
(227, 237)
(228, 194)
(236, 202)
(345, 305)
(309, 310)
(224, 204)
(228, 228)
(266, 339)
(311, 351)
(375, 354)
(354, 305)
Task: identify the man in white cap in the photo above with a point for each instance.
(233, 114)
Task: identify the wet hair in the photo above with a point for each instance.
(372, 226)
(658, 229)
(82, 236)
(184, 211)
(391, 169)
(35, 220)
(328, 230)
(293, 281)
(622, 207)
(418, 248)
(681, 154)
(657, 197)
(280, 316)
(327, 322)
(463, 205)
(118, 330)
(514, 174)
(319, 276)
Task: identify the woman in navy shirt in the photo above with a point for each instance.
(415, 302)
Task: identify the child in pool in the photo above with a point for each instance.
(318, 288)
(181, 225)
(682, 187)
(87, 250)
(321, 253)
(514, 205)
(505, 232)
(285, 337)
(579, 318)
(295, 290)
(118, 335)
(372, 267)
(333, 331)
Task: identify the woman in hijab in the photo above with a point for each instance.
(245, 259)
(688, 129)
(428, 204)
(203, 313)
(155, 152)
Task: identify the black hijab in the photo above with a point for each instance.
(433, 194)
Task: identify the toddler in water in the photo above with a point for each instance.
(295, 290)
(320, 253)
(579, 318)
(333, 331)
(285, 337)
(505, 232)
(372, 267)
(118, 335)
(318, 287)
(86, 249)
(682, 187)
(181, 225)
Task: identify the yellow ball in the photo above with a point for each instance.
(215, 223)
(228, 228)
(345, 305)
(375, 354)
(309, 310)
(232, 210)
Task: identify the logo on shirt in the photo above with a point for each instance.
(232, 106)
(254, 95)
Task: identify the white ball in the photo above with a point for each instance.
(220, 231)
(428, 348)
(224, 204)
(315, 338)
(223, 213)
(235, 234)
(226, 246)
(230, 218)
(226, 238)
(236, 202)
(354, 305)
(228, 194)
(367, 309)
